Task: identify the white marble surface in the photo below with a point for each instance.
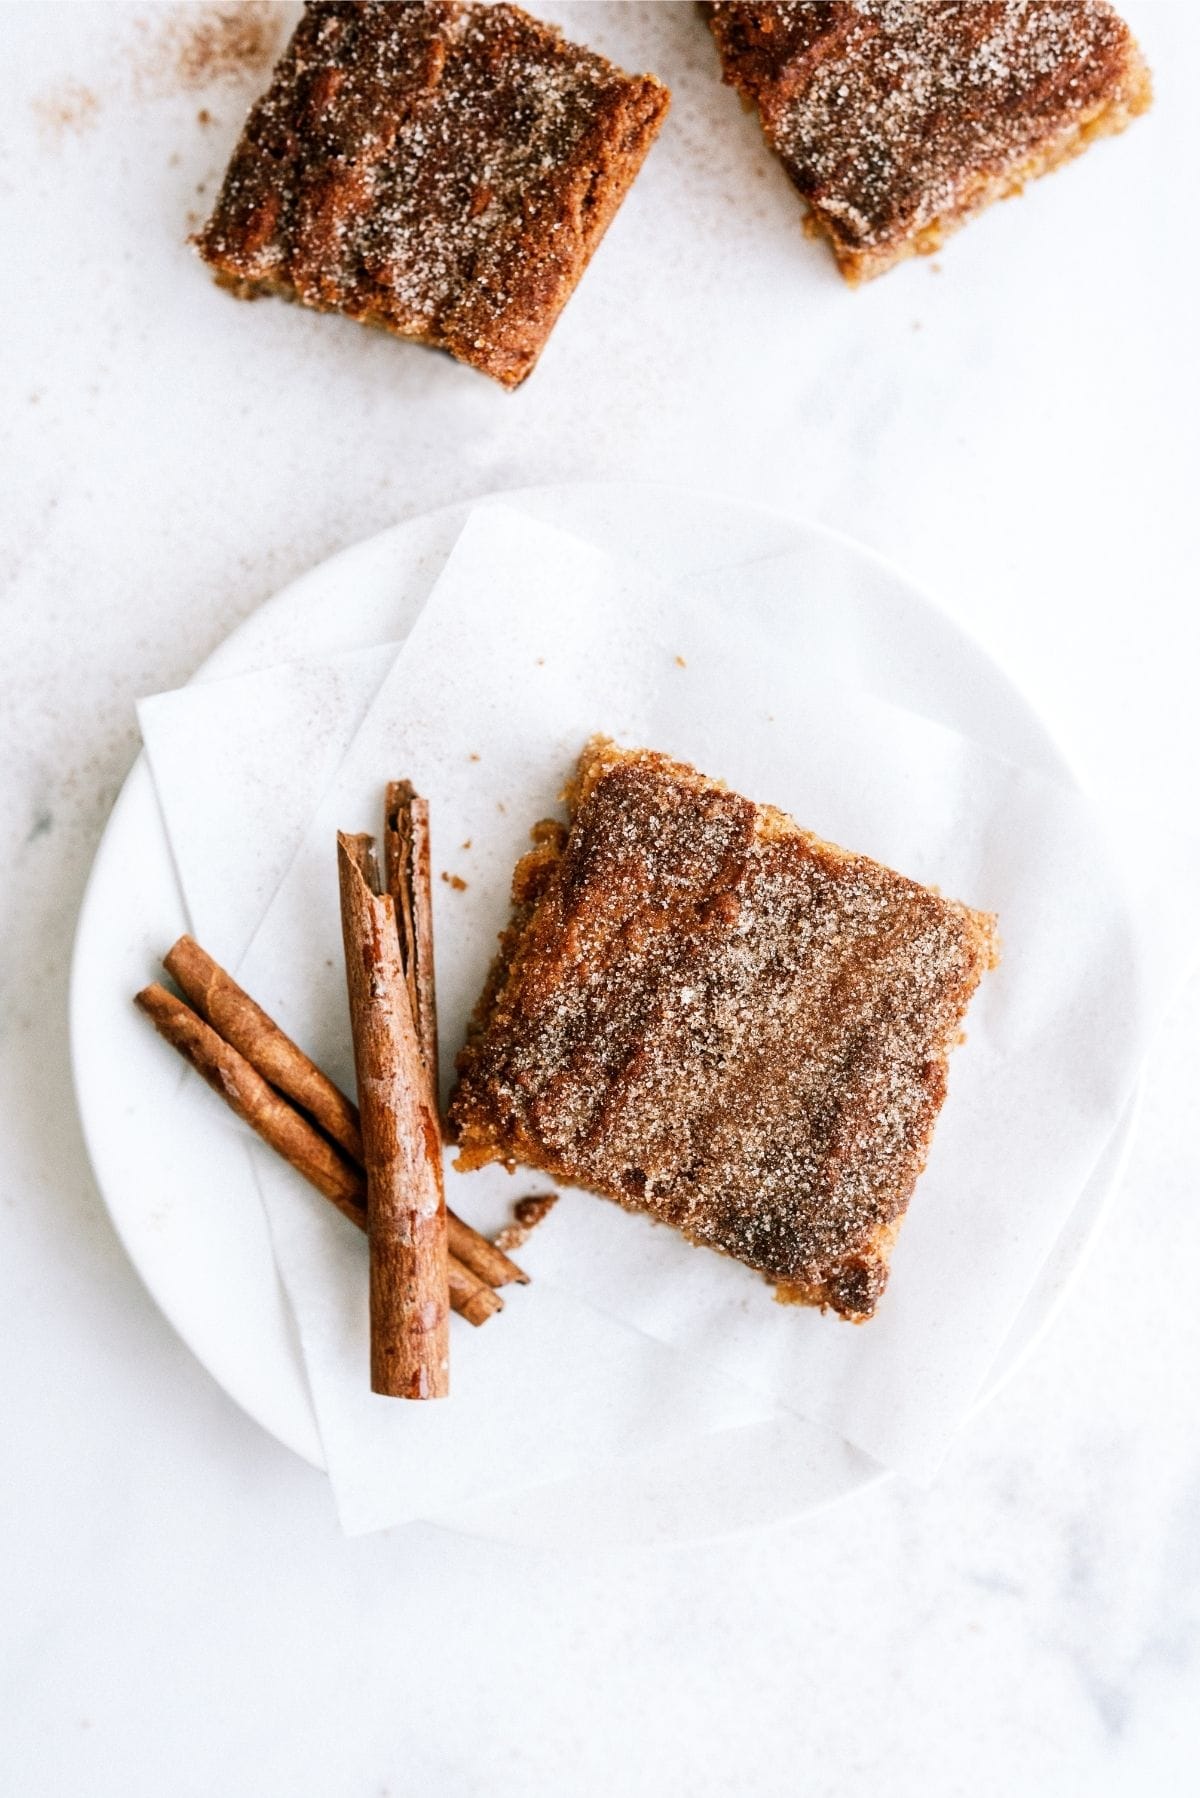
(179, 1611)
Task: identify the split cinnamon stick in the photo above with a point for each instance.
(409, 875)
(235, 1016)
(408, 872)
(402, 1144)
(244, 1090)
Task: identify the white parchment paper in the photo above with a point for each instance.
(529, 641)
(550, 1390)
(238, 765)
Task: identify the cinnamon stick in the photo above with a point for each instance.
(402, 1145)
(484, 1258)
(244, 1090)
(407, 870)
(236, 1017)
(470, 1296)
(409, 876)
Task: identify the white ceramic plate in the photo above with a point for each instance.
(214, 1277)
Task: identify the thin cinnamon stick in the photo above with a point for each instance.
(243, 1089)
(470, 1296)
(230, 1074)
(402, 1145)
(484, 1259)
(236, 1017)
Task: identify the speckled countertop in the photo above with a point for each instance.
(1015, 425)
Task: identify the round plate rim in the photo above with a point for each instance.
(257, 623)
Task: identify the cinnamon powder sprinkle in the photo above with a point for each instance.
(174, 50)
(69, 110)
(221, 43)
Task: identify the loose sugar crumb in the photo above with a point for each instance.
(527, 1215)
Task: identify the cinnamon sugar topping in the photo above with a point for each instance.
(896, 118)
(442, 169)
(706, 1013)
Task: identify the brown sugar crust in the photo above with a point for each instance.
(442, 170)
(899, 119)
(708, 1014)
